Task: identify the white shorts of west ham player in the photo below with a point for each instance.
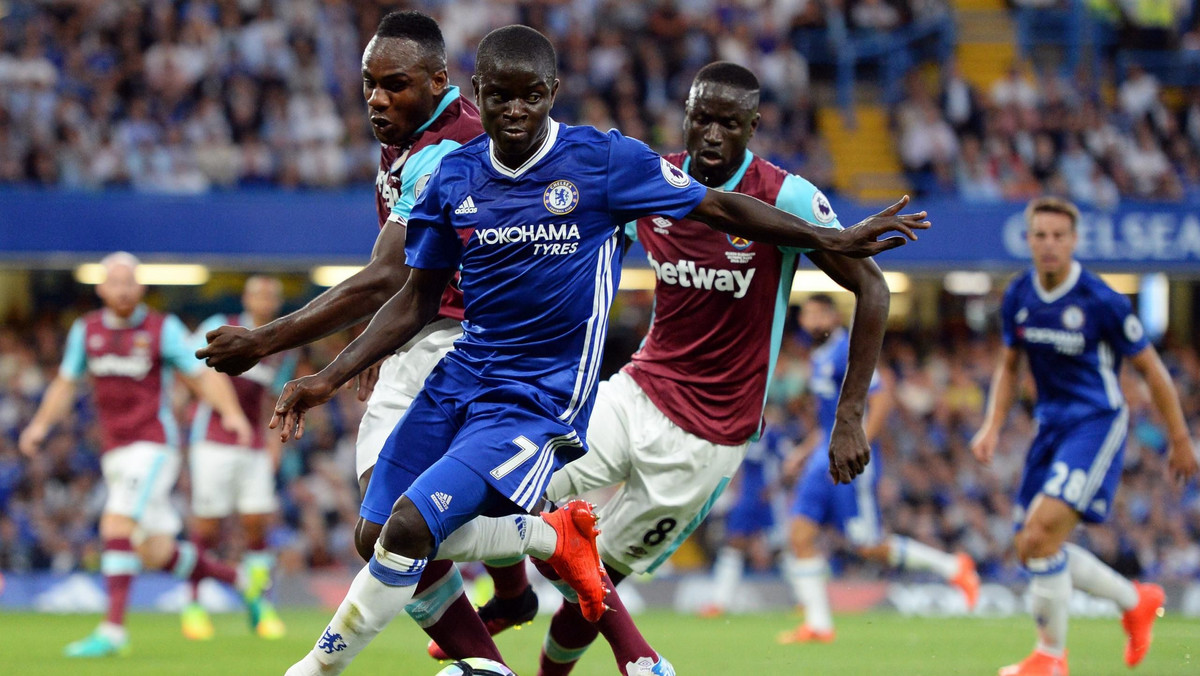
(670, 478)
(139, 478)
(231, 479)
(401, 377)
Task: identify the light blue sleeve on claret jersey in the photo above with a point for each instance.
(641, 182)
(631, 231)
(74, 363)
(431, 241)
(287, 368)
(178, 348)
(800, 198)
(414, 176)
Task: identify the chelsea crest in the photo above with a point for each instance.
(561, 197)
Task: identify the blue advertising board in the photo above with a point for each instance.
(299, 227)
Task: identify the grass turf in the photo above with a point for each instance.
(877, 643)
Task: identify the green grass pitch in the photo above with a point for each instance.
(876, 643)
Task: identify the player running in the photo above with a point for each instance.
(851, 509)
(228, 477)
(1075, 330)
(533, 216)
(418, 117)
(675, 423)
(132, 353)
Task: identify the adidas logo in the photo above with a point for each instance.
(442, 500)
(467, 207)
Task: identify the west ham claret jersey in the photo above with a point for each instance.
(719, 308)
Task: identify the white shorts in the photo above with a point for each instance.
(228, 479)
(671, 478)
(139, 478)
(401, 377)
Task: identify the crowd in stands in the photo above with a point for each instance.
(1033, 134)
(932, 488)
(1111, 111)
(189, 96)
(184, 97)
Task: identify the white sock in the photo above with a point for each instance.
(113, 632)
(1091, 575)
(1050, 589)
(368, 607)
(485, 539)
(908, 554)
(727, 576)
(808, 577)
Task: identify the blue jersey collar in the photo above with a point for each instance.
(450, 97)
(1062, 289)
(732, 184)
(547, 144)
(835, 337)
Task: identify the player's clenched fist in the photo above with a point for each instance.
(297, 397)
(1181, 459)
(983, 446)
(231, 349)
(849, 452)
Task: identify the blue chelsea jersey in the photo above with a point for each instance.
(1075, 337)
(540, 249)
(829, 362)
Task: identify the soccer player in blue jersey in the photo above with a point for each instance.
(533, 215)
(1075, 331)
(851, 509)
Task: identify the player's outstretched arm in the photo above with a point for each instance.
(849, 450)
(59, 397)
(1181, 457)
(235, 349)
(1001, 395)
(394, 324)
(744, 216)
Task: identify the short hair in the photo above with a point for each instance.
(415, 26)
(1052, 205)
(273, 282)
(822, 299)
(117, 258)
(517, 43)
(120, 258)
(729, 74)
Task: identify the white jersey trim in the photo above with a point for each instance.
(597, 328)
(1062, 289)
(1104, 458)
(1112, 387)
(529, 491)
(547, 145)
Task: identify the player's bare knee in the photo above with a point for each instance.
(1035, 541)
(406, 532)
(803, 539)
(366, 534)
(155, 551)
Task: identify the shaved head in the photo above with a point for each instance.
(516, 46)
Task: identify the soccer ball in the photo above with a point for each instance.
(476, 666)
